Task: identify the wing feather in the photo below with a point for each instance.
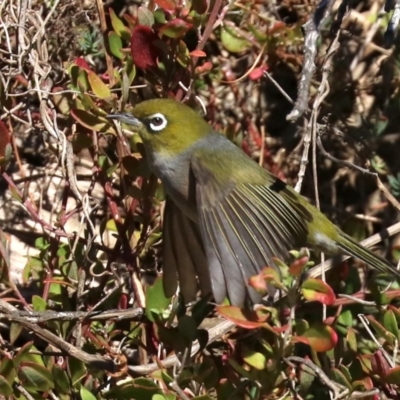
(217, 276)
(184, 256)
(244, 229)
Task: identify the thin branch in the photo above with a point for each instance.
(311, 31)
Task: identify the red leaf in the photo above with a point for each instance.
(81, 62)
(175, 28)
(143, 49)
(5, 146)
(200, 6)
(166, 4)
(270, 275)
(379, 364)
(242, 317)
(258, 73)
(207, 66)
(198, 53)
(393, 376)
(363, 384)
(258, 283)
(317, 290)
(277, 27)
(296, 268)
(319, 337)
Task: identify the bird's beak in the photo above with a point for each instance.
(126, 118)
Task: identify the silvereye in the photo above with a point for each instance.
(225, 217)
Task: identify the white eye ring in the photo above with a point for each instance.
(157, 122)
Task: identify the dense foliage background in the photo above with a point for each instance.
(310, 91)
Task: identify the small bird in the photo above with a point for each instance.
(225, 217)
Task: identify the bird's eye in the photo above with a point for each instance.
(157, 122)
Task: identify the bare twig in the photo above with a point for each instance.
(90, 359)
(335, 387)
(311, 132)
(311, 32)
(279, 87)
(214, 334)
(365, 323)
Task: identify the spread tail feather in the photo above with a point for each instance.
(353, 248)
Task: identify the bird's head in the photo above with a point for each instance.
(165, 126)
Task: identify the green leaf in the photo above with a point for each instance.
(100, 89)
(232, 40)
(182, 55)
(396, 312)
(156, 301)
(38, 303)
(345, 371)
(317, 290)
(346, 318)
(86, 394)
(118, 26)
(258, 33)
(77, 368)
(390, 323)
(145, 16)
(61, 379)
(340, 378)
(91, 121)
(56, 288)
(306, 378)
(42, 244)
(35, 377)
(87, 102)
(159, 16)
(22, 353)
(140, 388)
(5, 388)
(130, 69)
(8, 369)
(63, 101)
(238, 368)
(163, 396)
(381, 330)
(115, 43)
(15, 331)
(254, 359)
(351, 339)
(79, 77)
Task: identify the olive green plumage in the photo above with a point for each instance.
(225, 217)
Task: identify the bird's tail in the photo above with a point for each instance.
(353, 248)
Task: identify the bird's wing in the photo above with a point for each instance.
(244, 225)
(183, 255)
